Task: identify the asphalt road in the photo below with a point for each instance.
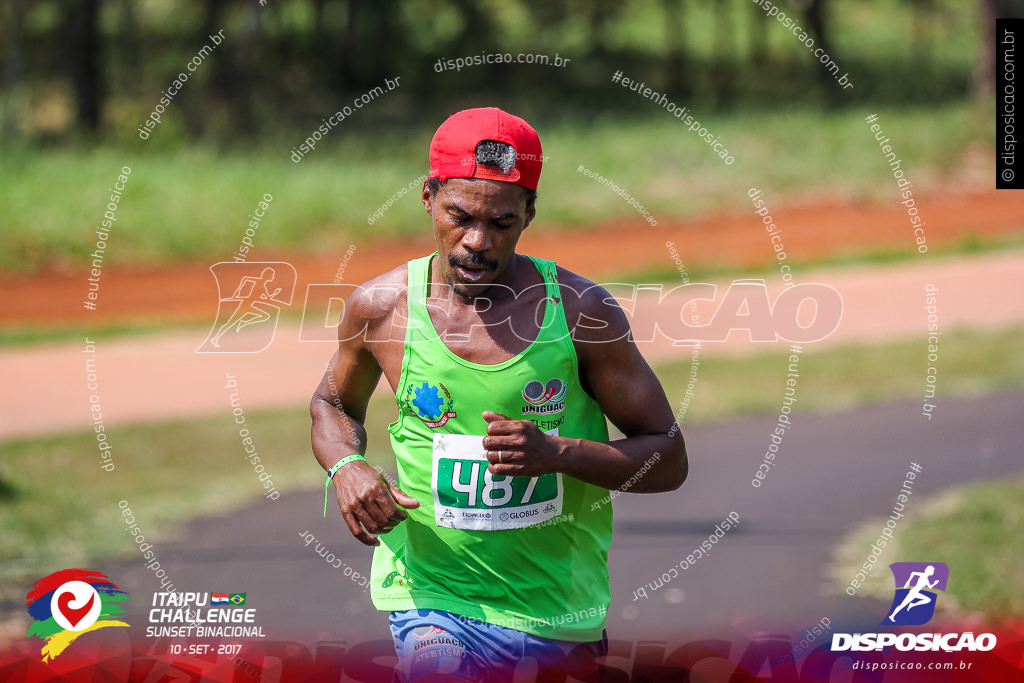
(766, 576)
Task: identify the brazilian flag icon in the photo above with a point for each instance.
(237, 598)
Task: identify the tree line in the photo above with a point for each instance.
(285, 62)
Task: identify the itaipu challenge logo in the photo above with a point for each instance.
(70, 603)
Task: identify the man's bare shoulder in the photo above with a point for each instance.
(378, 298)
(591, 312)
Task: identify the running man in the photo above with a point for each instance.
(504, 367)
(915, 597)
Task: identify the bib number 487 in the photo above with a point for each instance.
(497, 490)
(468, 496)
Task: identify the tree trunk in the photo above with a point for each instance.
(815, 14)
(758, 32)
(81, 29)
(345, 73)
(724, 53)
(675, 25)
(131, 55)
(984, 77)
(816, 17)
(14, 65)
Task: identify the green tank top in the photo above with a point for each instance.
(529, 553)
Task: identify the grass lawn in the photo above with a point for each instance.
(972, 363)
(974, 530)
(669, 274)
(194, 203)
(25, 335)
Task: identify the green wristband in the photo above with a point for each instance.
(331, 472)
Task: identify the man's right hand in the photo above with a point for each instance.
(370, 504)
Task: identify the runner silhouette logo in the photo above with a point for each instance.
(916, 586)
(250, 299)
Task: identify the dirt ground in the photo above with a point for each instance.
(813, 231)
(881, 302)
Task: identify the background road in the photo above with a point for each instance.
(880, 302)
(766, 576)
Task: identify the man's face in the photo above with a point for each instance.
(477, 224)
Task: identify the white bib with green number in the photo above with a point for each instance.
(468, 496)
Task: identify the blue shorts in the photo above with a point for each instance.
(433, 645)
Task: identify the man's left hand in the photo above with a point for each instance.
(518, 448)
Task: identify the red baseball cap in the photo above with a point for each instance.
(453, 148)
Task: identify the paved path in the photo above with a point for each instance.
(161, 377)
(769, 575)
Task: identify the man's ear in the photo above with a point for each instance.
(426, 197)
(531, 213)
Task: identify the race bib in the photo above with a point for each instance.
(468, 496)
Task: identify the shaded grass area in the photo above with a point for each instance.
(195, 203)
(973, 530)
(965, 246)
(32, 335)
(970, 364)
(58, 508)
(62, 508)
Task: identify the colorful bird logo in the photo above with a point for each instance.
(69, 603)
